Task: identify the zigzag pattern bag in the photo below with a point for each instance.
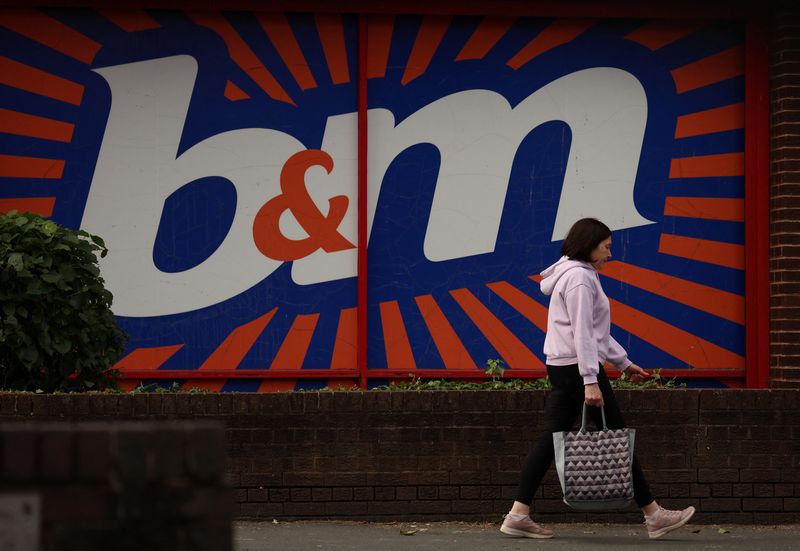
(594, 468)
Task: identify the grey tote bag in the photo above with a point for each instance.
(594, 468)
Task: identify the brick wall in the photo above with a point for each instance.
(102, 485)
(733, 454)
(785, 196)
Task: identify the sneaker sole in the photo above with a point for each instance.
(667, 529)
(524, 534)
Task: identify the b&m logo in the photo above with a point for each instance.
(216, 154)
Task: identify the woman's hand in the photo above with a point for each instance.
(592, 395)
(636, 373)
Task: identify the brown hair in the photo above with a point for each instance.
(584, 236)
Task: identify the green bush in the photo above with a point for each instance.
(57, 331)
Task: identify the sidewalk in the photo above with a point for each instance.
(347, 536)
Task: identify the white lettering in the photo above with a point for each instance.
(476, 132)
(137, 170)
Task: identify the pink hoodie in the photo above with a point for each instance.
(579, 320)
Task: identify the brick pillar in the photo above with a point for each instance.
(97, 486)
(785, 195)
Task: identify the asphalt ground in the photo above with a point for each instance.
(346, 536)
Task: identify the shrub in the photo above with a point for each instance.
(57, 331)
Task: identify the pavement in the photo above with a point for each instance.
(440, 536)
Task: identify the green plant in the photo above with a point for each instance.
(655, 381)
(494, 369)
(57, 331)
(175, 386)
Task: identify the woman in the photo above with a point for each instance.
(577, 344)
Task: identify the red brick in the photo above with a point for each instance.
(762, 504)
(346, 509)
(721, 504)
(57, 454)
(257, 494)
(300, 494)
(19, 461)
(261, 510)
(718, 475)
(342, 494)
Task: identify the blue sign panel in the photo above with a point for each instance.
(216, 153)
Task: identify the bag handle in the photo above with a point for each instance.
(583, 419)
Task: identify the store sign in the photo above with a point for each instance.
(217, 156)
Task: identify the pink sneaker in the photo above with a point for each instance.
(524, 528)
(664, 521)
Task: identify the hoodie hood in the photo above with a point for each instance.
(551, 275)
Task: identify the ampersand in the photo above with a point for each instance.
(322, 230)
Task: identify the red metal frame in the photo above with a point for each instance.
(389, 374)
(756, 204)
(677, 9)
(362, 201)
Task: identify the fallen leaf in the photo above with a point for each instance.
(408, 532)
(723, 531)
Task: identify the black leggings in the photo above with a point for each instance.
(564, 406)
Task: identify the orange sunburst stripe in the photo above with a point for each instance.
(345, 347)
(36, 81)
(430, 35)
(451, 349)
(709, 208)
(33, 126)
(522, 303)
(237, 344)
(488, 33)
(513, 351)
(294, 347)
(130, 20)
(657, 34)
(331, 34)
(395, 338)
(716, 302)
(719, 119)
(211, 385)
(147, 358)
(559, 32)
(242, 55)
(703, 250)
(234, 93)
(379, 39)
(709, 70)
(43, 206)
(277, 385)
(280, 33)
(50, 32)
(688, 348)
(13, 166)
(702, 166)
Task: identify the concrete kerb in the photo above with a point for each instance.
(360, 536)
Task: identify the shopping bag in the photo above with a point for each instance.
(594, 468)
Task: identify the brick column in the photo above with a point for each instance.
(98, 486)
(785, 196)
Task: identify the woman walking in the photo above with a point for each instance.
(577, 344)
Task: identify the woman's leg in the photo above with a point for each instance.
(561, 410)
(559, 414)
(659, 521)
(614, 420)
